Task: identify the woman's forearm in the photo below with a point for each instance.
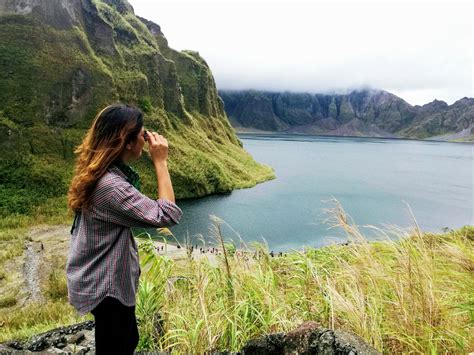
(165, 187)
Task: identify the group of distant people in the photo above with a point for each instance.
(202, 250)
(258, 254)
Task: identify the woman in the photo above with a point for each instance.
(103, 267)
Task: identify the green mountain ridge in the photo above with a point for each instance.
(63, 60)
(373, 113)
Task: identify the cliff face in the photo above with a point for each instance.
(437, 118)
(63, 60)
(359, 113)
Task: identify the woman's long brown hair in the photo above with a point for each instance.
(113, 128)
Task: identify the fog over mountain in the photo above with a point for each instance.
(417, 51)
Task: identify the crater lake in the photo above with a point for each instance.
(376, 181)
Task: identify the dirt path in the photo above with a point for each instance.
(30, 271)
(45, 249)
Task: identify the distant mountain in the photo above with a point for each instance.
(373, 113)
(439, 119)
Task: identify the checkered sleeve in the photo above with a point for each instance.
(124, 205)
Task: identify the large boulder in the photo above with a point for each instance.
(309, 338)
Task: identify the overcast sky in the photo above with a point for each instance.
(418, 51)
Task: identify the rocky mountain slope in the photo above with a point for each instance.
(63, 60)
(359, 113)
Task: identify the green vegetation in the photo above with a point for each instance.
(57, 73)
(200, 164)
(35, 318)
(56, 287)
(469, 139)
(8, 301)
(413, 295)
(17, 319)
(405, 294)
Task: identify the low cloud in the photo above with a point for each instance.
(417, 51)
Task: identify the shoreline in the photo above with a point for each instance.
(257, 133)
(213, 254)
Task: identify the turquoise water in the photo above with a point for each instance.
(375, 180)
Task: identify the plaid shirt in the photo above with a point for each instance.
(103, 256)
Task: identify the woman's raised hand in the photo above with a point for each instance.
(158, 147)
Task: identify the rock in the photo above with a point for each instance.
(76, 338)
(14, 345)
(309, 338)
(37, 345)
(352, 343)
(269, 344)
(75, 349)
(59, 341)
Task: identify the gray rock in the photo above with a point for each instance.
(309, 338)
(269, 344)
(80, 336)
(37, 344)
(14, 345)
(76, 338)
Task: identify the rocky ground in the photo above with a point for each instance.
(75, 339)
(309, 338)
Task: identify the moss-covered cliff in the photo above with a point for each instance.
(63, 60)
(358, 113)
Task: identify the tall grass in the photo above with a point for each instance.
(408, 293)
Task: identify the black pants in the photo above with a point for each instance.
(116, 329)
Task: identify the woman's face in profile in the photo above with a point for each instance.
(137, 145)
